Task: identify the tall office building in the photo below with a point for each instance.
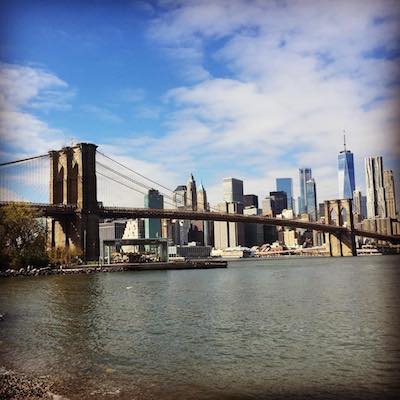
(152, 226)
(357, 201)
(110, 231)
(134, 229)
(388, 183)
(304, 176)
(346, 173)
(311, 195)
(233, 190)
(279, 202)
(286, 185)
(191, 193)
(364, 206)
(202, 205)
(180, 196)
(376, 204)
(267, 206)
(229, 234)
(250, 200)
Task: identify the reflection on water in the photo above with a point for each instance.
(275, 328)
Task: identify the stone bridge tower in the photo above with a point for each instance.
(73, 182)
(340, 213)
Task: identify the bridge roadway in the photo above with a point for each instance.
(58, 210)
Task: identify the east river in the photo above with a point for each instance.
(283, 328)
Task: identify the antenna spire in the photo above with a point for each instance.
(344, 140)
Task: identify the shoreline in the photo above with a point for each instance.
(89, 269)
(19, 386)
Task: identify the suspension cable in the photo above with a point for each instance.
(137, 173)
(128, 186)
(132, 180)
(143, 176)
(22, 160)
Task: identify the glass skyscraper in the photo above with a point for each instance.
(286, 185)
(152, 226)
(346, 174)
(311, 196)
(304, 176)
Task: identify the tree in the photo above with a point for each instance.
(22, 237)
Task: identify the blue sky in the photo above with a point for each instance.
(251, 89)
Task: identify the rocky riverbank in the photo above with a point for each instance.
(18, 386)
(87, 269)
(58, 271)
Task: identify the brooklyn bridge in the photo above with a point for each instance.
(75, 205)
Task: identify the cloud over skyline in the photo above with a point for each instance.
(251, 89)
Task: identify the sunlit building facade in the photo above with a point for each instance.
(376, 204)
(346, 174)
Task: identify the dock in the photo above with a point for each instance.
(165, 266)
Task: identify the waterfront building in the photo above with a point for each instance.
(134, 229)
(290, 238)
(346, 173)
(189, 251)
(250, 200)
(311, 196)
(279, 202)
(191, 194)
(110, 230)
(376, 204)
(152, 226)
(180, 231)
(233, 190)
(270, 234)
(254, 233)
(304, 176)
(286, 185)
(390, 197)
(229, 234)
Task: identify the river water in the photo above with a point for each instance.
(283, 328)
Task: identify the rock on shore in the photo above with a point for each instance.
(17, 386)
(58, 271)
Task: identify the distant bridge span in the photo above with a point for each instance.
(59, 210)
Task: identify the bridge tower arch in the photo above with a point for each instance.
(340, 213)
(73, 182)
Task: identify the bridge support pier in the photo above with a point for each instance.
(73, 182)
(340, 213)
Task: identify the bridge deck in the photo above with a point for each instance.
(57, 210)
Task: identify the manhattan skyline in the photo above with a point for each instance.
(215, 88)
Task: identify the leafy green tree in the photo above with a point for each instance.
(22, 237)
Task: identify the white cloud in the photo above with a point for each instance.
(296, 75)
(23, 89)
